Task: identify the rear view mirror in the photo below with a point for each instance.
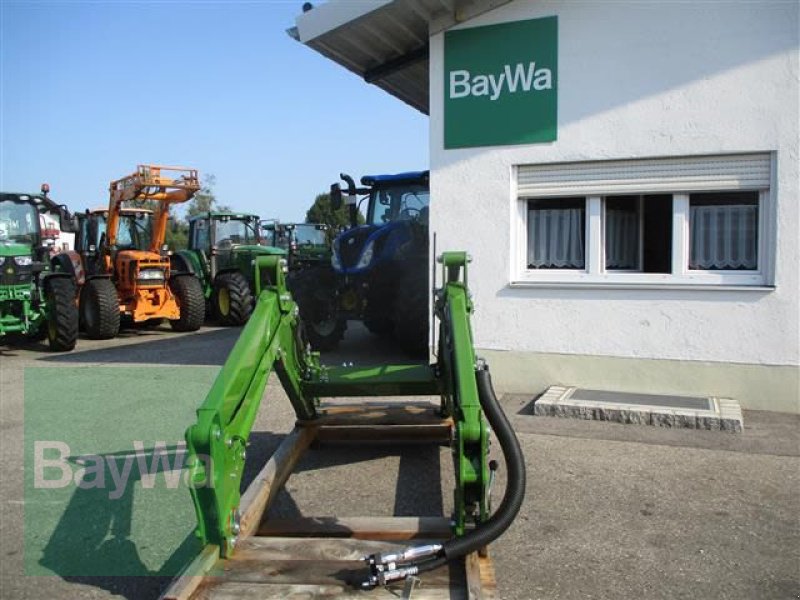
(336, 196)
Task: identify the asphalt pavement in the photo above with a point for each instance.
(612, 511)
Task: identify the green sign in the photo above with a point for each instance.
(500, 84)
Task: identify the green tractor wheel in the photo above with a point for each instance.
(232, 299)
(62, 319)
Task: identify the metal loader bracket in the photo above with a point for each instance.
(272, 339)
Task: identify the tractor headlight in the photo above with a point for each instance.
(23, 261)
(151, 275)
(366, 255)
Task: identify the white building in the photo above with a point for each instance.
(626, 176)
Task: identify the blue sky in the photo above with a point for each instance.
(91, 89)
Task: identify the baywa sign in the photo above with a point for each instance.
(501, 84)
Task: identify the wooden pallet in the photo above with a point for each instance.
(315, 557)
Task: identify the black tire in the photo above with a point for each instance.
(191, 301)
(314, 291)
(99, 309)
(411, 314)
(62, 320)
(232, 300)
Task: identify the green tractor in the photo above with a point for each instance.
(311, 279)
(222, 249)
(35, 300)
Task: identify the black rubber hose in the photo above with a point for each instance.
(496, 524)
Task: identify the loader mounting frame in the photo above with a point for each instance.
(217, 442)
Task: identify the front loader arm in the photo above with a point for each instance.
(216, 443)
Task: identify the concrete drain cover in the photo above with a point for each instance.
(693, 412)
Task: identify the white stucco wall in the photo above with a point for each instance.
(637, 79)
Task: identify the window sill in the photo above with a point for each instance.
(631, 285)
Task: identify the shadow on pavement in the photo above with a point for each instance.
(95, 532)
(209, 347)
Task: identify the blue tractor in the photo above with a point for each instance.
(382, 265)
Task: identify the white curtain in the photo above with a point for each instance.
(724, 237)
(622, 239)
(555, 238)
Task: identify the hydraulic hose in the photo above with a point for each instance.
(514, 494)
(497, 523)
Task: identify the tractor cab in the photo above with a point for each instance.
(306, 244)
(134, 232)
(227, 239)
(396, 221)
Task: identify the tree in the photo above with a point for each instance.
(322, 212)
(205, 200)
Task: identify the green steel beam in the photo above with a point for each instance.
(386, 380)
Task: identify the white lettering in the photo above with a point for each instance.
(497, 85)
(544, 80)
(120, 479)
(459, 79)
(480, 85)
(40, 463)
(172, 473)
(521, 77)
(98, 469)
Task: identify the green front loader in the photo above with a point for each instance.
(36, 301)
(222, 250)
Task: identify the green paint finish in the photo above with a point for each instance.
(217, 441)
(500, 84)
(15, 249)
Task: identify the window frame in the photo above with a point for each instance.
(595, 273)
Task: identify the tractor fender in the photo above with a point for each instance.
(69, 263)
(181, 263)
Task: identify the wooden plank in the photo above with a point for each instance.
(378, 414)
(258, 591)
(488, 582)
(189, 580)
(369, 528)
(263, 489)
(316, 548)
(439, 433)
(320, 572)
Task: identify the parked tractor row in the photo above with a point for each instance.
(121, 272)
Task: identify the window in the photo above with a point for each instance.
(556, 234)
(682, 221)
(723, 231)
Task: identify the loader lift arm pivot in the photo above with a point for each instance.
(272, 339)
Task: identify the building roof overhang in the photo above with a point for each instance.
(386, 42)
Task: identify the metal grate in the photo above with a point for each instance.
(685, 402)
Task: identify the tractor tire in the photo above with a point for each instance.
(411, 314)
(99, 309)
(314, 291)
(191, 301)
(62, 321)
(232, 300)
